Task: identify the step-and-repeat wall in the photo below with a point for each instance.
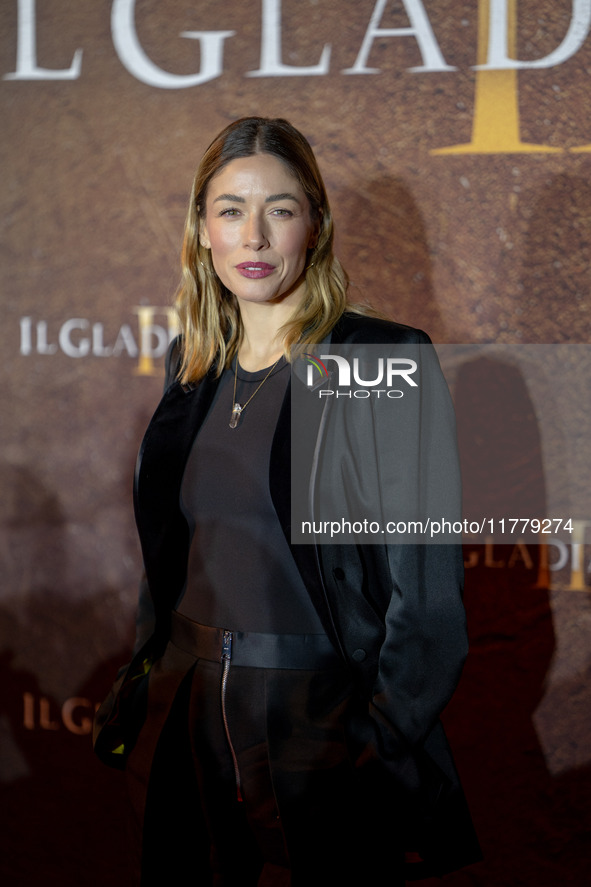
(454, 137)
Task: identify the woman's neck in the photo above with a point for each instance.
(262, 342)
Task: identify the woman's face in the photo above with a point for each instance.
(258, 226)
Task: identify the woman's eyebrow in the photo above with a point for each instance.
(284, 196)
(232, 197)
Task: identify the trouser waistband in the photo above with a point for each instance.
(252, 648)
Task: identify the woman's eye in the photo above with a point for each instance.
(282, 212)
(230, 212)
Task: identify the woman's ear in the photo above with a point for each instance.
(203, 237)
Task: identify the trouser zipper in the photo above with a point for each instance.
(226, 658)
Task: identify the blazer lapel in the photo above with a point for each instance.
(161, 463)
(280, 475)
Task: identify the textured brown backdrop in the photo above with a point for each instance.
(473, 246)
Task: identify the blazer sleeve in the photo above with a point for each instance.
(425, 642)
(397, 597)
(145, 615)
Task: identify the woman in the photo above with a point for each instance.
(281, 735)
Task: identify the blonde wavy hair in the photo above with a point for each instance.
(208, 311)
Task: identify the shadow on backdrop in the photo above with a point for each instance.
(533, 827)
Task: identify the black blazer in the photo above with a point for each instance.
(394, 612)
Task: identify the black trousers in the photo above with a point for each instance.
(249, 781)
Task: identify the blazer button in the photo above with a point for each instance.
(338, 573)
(358, 655)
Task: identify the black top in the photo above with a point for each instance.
(241, 574)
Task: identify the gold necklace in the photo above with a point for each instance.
(238, 409)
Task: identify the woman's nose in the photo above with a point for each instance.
(255, 232)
